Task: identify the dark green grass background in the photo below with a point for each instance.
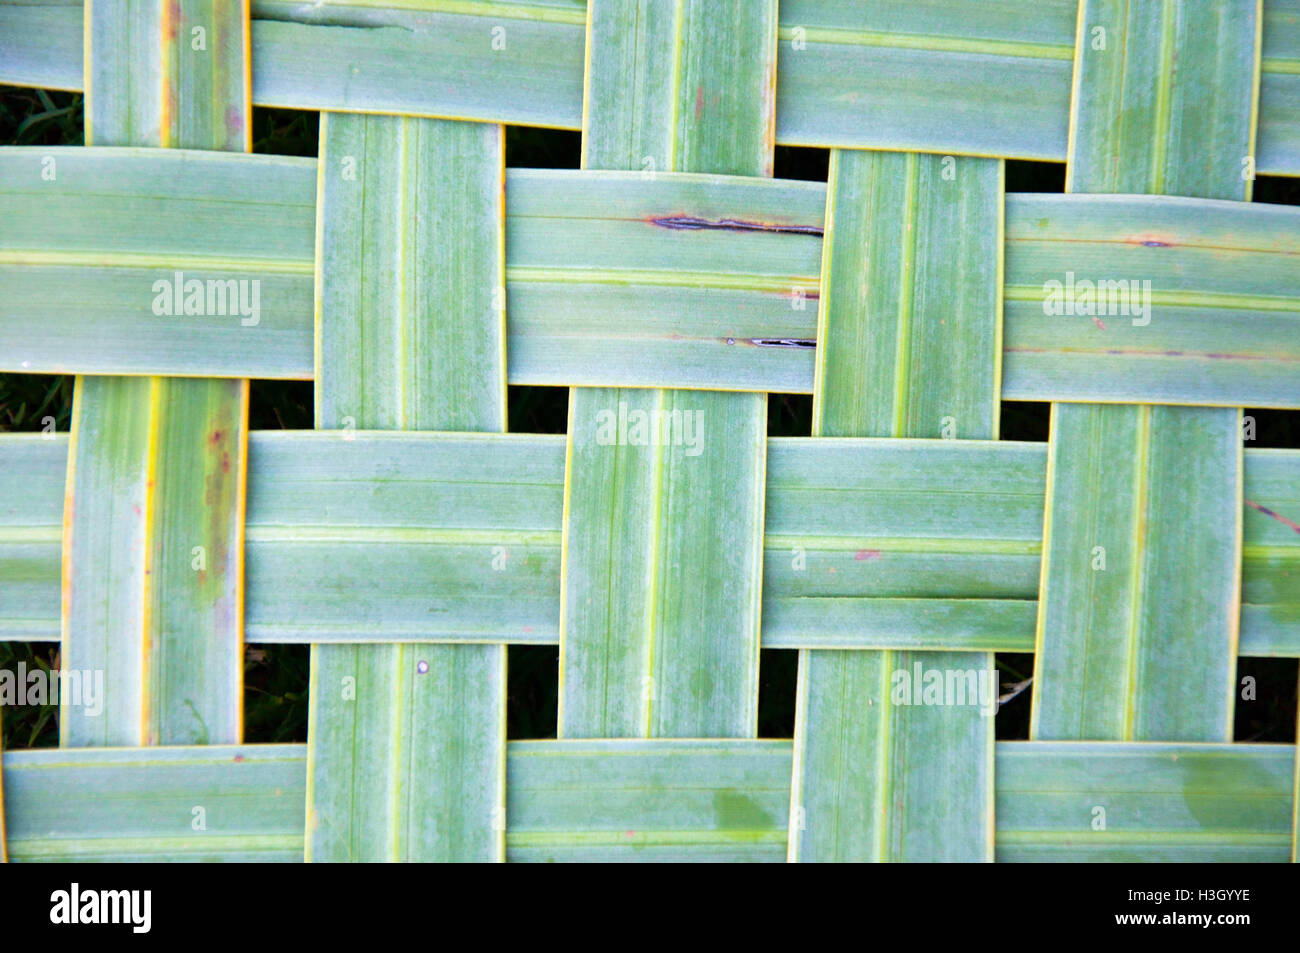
(275, 702)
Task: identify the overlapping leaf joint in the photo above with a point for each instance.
(670, 284)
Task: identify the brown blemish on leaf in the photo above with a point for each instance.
(797, 343)
(693, 223)
(1277, 516)
(1151, 241)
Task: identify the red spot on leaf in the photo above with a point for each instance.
(862, 554)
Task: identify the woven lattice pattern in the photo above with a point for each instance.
(671, 284)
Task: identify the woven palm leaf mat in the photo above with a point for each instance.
(674, 286)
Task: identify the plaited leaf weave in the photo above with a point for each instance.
(671, 284)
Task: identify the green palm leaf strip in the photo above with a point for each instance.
(33, 468)
(867, 543)
(1138, 124)
(1142, 541)
(895, 74)
(448, 537)
(648, 800)
(212, 216)
(908, 346)
(886, 543)
(1143, 802)
(153, 528)
(1130, 616)
(610, 800)
(680, 86)
(599, 298)
(512, 61)
(58, 61)
(406, 758)
(153, 559)
(888, 75)
(1222, 321)
(900, 217)
(169, 74)
(1279, 90)
(208, 803)
(659, 631)
(1270, 565)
